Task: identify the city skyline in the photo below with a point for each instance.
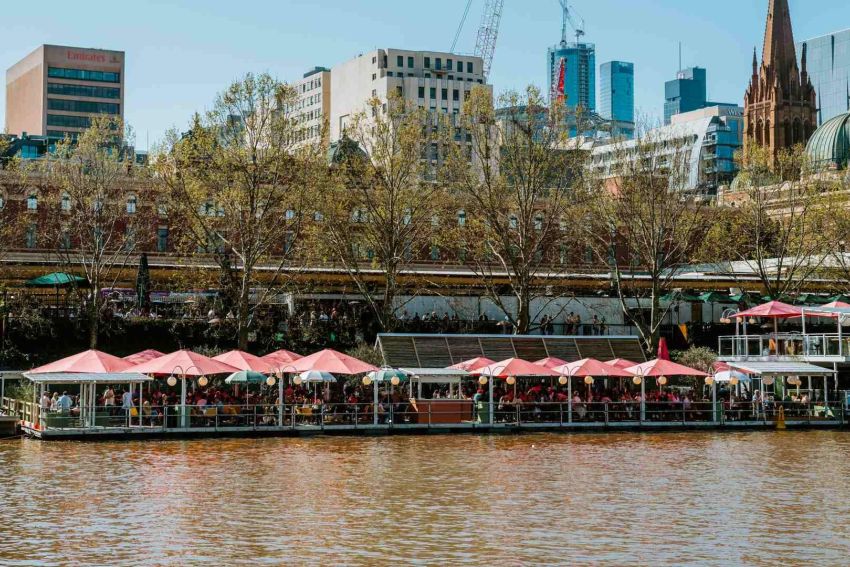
(173, 71)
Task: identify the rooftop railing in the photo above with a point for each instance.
(789, 345)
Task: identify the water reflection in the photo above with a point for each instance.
(755, 498)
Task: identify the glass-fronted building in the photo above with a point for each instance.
(579, 73)
(617, 91)
(828, 64)
(687, 92)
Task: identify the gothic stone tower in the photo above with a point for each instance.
(780, 109)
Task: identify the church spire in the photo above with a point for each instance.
(779, 52)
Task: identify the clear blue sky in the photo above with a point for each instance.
(181, 52)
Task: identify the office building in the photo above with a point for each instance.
(780, 104)
(828, 64)
(438, 81)
(687, 92)
(572, 74)
(617, 91)
(55, 90)
(312, 107)
(703, 142)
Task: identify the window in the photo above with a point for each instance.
(162, 209)
(290, 214)
(512, 221)
(435, 253)
(460, 66)
(407, 217)
(445, 94)
(65, 239)
(433, 92)
(65, 203)
(389, 73)
(131, 204)
(32, 202)
(449, 64)
(358, 215)
(400, 61)
(2, 202)
(410, 62)
(83, 75)
(421, 92)
(427, 62)
(469, 66)
(318, 216)
(438, 63)
(456, 95)
(82, 106)
(65, 89)
(461, 218)
(162, 239)
(538, 222)
(68, 121)
(374, 76)
(374, 60)
(32, 233)
(399, 91)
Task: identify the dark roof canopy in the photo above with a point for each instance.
(440, 351)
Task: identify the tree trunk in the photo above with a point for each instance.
(243, 314)
(94, 319)
(523, 316)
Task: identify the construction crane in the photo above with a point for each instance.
(488, 31)
(569, 19)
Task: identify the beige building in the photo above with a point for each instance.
(438, 81)
(55, 90)
(312, 108)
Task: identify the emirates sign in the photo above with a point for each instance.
(90, 57)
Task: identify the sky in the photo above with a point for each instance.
(180, 53)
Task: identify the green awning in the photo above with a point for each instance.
(56, 279)
(680, 296)
(811, 299)
(716, 297)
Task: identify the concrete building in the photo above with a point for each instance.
(703, 142)
(313, 107)
(828, 64)
(617, 92)
(571, 68)
(438, 81)
(55, 90)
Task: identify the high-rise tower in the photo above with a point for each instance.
(780, 108)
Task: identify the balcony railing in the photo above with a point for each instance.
(789, 345)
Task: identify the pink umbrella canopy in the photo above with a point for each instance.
(551, 362)
(659, 367)
(472, 363)
(183, 362)
(772, 310)
(329, 360)
(837, 305)
(90, 361)
(281, 358)
(594, 368)
(514, 367)
(245, 361)
(621, 363)
(144, 356)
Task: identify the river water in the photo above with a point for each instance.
(752, 498)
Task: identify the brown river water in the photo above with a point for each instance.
(697, 498)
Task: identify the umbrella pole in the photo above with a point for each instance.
(183, 419)
(280, 402)
(375, 403)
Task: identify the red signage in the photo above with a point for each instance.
(91, 57)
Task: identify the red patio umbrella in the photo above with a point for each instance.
(621, 363)
(594, 368)
(514, 367)
(663, 351)
(772, 310)
(472, 363)
(245, 361)
(332, 361)
(281, 358)
(144, 356)
(183, 362)
(90, 361)
(551, 362)
(658, 367)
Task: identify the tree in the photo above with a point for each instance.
(512, 188)
(235, 187)
(643, 223)
(382, 201)
(87, 196)
(779, 226)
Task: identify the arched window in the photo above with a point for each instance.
(798, 132)
(760, 133)
(65, 203)
(131, 204)
(32, 202)
(461, 218)
(788, 133)
(767, 133)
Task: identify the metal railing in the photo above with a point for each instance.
(784, 344)
(408, 414)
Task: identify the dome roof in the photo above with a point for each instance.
(830, 144)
